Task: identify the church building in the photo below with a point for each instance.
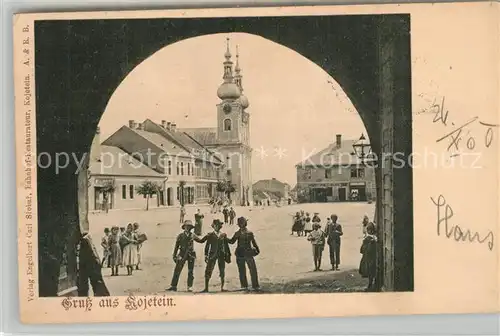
(230, 139)
(187, 163)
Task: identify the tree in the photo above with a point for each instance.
(107, 189)
(226, 187)
(148, 189)
(181, 190)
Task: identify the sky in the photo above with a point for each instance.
(296, 108)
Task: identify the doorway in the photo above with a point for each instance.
(161, 200)
(319, 195)
(342, 195)
(169, 197)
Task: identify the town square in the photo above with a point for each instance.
(285, 264)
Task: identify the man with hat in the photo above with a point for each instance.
(334, 233)
(246, 250)
(184, 251)
(216, 252)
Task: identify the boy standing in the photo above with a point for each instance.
(334, 234)
(246, 250)
(184, 252)
(216, 252)
(317, 239)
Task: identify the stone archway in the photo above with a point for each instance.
(368, 55)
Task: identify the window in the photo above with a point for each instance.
(192, 169)
(308, 173)
(169, 168)
(227, 124)
(328, 173)
(124, 191)
(189, 169)
(357, 172)
(177, 168)
(182, 168)
(131, 191)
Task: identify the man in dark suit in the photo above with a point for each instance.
(333, 238)
(216, 252)
(184, 251)
(89, 268)
(246, 250)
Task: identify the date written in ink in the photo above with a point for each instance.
(463, 137)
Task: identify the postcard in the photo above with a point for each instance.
(273, 162)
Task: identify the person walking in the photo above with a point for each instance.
(105, 248)
(296, 224)
(130, 249)
(141, 238)
(368, 264)
(317, 239)
(198, 222)
(184, 252)
(365, 223)
(216, 252)
(225, 212)
(89, 269)
(115, 251)
(182, 214)
(245, 252)
(232, 215)
(308, 226)
(334, 234)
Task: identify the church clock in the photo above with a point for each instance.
(227, 108)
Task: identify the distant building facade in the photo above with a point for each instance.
(335, 174)
(187, 163)
(272, 186)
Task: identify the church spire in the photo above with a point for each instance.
(228, 64)
(238, 80)
(228, 89)
(237, 70)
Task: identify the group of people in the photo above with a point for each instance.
(218, 203)
(304, 225)
(122, 248)
(318, 238)
(217, 252)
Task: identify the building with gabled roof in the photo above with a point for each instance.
(335, 174)
(196, 158)
(272, 186)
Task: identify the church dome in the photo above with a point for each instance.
(228, 91)
(244, 101)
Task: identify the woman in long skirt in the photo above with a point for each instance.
(368, 264)
(130, 249)
(115, 252)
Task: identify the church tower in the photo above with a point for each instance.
(233, 129)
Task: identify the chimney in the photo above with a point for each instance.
(164, 123)
(131, 124)
(173, 126)
(169, 125)
(139, 126)
(338, 141)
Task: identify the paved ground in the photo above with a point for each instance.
(285, 263)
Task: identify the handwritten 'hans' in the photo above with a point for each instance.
(445, 213)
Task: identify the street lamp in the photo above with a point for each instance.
(363, 150)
